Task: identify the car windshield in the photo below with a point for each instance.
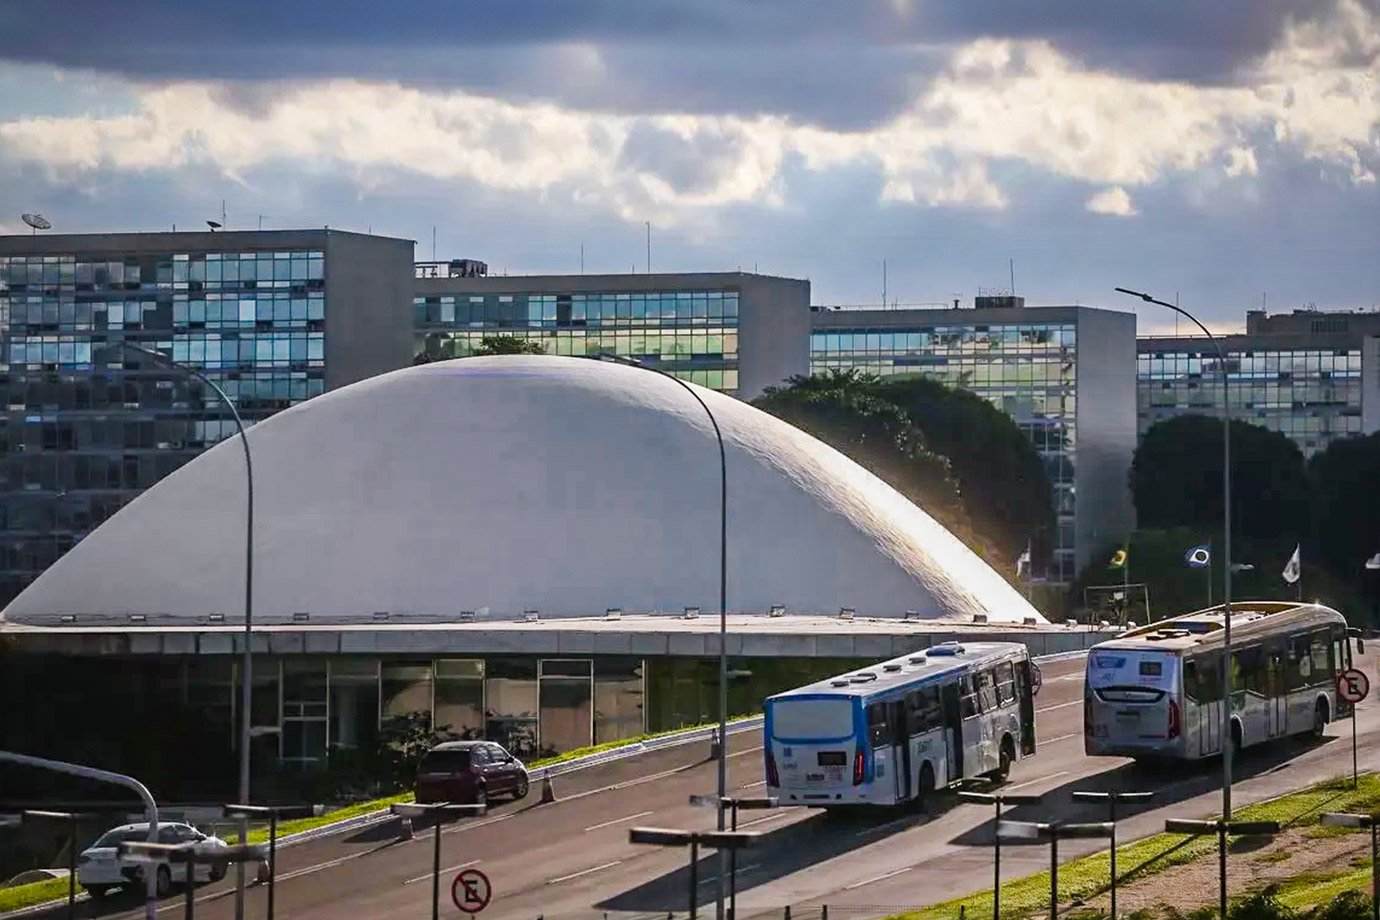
(121, 835)
(445, 761)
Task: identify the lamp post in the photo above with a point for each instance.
(410, 811)
(246, 679)
(1112, 798)
(71, 819)
(1227, 751)
(747, 804)
(721, 840)
(723, 601)
(998, 799)
(1372, 821)
(1019, 830)
(1222, 828)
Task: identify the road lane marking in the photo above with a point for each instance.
(881, 827)
(884, 875)
(298, 873)
(1062, 738)
(422, 878)
(754, 785)
(566, 878)
(595, 827)
(1060, 706)
(752, 750)
(741, 869)
(1038, 779)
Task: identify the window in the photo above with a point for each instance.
(878, 725)
(987, 690)
(1248, 670)
(968, 697)
(1203, 678)
(1299, 663)
(1322, 666)
(479, 755)
(926, 713)
(1006, 683)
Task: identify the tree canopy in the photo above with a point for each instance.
(841, 410)
(1005, 488)
(1347, 503)
(442, 348)
(1176, 478)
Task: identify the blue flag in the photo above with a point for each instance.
(1198, 557)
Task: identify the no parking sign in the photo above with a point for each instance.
(471, 891)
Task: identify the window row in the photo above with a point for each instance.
(167, 268)
(270, 348)
(181, 313)
(671, 345)
(575, 310)
(968, 339)
(1271, 668)
(1249, 364)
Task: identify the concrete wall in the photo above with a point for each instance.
(1370, 385)
(773, 332)
(130, 244)
(368, 306)
(1106, 429)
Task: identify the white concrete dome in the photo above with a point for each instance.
(509, 483)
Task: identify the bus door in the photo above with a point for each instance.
(1027, 704)
(1202, 719)
(900, 727)
(1276, 690)
(953, 728)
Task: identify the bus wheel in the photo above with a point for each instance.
(1006, 758)
(926, 791)
(1319, 719)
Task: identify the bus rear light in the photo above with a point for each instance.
(1174, 724)
(773, 778)
(858, 764)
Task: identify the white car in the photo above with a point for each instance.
(100, 868)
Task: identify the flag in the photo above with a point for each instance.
(1023, 562)
(1199, 556)
(1291, 568)
(1373, 562)
(1118, 559)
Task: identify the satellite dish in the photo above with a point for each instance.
(213, 225)
(37, 221)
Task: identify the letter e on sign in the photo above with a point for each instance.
(1353, 685)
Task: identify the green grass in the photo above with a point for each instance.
(1086, 877)
(20, 896)
(1318, 888)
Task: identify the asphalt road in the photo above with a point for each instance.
(572, 859)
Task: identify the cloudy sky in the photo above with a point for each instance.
(1226, 151)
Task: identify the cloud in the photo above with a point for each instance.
(1113, 201)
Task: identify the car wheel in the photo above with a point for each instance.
(217, 871)
(1004, 760)
(263, 873)
(1319, 719)
(926, 791)
(97, 891)
(520, 791)
(162, 883)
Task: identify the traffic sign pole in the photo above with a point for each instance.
(1353, 686)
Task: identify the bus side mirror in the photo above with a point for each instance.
(1355, 634)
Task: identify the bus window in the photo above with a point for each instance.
(925, 712)
(1248, 670)
(1300, 666)
(1006, 683)
(987, 690)
(1210, 677)
(968, 699)
(1340, 658)
(1191, 689)
(1317, 647)
(878, 725)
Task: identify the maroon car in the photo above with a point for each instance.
(457, 771)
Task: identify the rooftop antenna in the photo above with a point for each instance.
(582, 258)
(884, 284)
(261, 221)
(433, 242)
(222, 212)
(649, 246)
(1176, 316)
(214, 225)
(1013, 276)
(36, 222)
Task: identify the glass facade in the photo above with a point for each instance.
(692, 334)
(1313, 396)
(88, 425)
(1025, 369)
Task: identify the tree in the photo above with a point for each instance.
(1176, 478)
(840, 408)
(508, 345)
(1346, 511)
(1003, 481)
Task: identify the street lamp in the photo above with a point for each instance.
(1023, 830)
(1222, 828)
(998, 799)
(410, 811)
(747, 804)
(1112, 798)
(246, 680)
(721, 840)
(1227, 751)
(1372, 821)
(723, 598)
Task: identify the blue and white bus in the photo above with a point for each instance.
(891, 733)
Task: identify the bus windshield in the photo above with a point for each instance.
(1131, 668)
(812, 719)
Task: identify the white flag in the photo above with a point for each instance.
(1373, 562)
(1291, 568)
